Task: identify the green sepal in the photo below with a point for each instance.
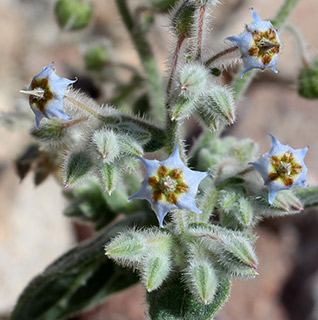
(78, 165)
(174, 302)
(78, 280)
(51, 132)
(108, 174)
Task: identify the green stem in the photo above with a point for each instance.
(284, 13)
(147, 59)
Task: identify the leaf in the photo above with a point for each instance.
(78, 280)
(174, 302)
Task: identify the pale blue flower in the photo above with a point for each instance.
(259, 45)
(169, 185)
(46, 93)
(282, 167)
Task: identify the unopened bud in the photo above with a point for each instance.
(130, 146)
(96, 57)
(73, 14)
(220, 103)
(308, 81)
(201, 279)
(127, 248)
(106, 143)
(183, 19)
(193, 79)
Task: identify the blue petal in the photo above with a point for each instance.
(258, 23)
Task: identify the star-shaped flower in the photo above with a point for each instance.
(281, 168)
(46, 93)
(169, 185)
(259, 45)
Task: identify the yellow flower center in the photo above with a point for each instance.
(284, 168)
(167, 184)
(266, 45)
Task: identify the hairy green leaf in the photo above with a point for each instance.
(79, 279)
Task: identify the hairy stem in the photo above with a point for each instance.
(158, 135)
(175, 62)
(84, 107)
(220, 55)
(200, 31)
(147, 59)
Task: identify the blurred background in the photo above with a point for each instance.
(33, 231)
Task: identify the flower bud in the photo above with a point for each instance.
(96, 57)
(285, 202)
(200, 277)
(156, 264)
(208, 120)
(130, 147)
(106, 143)
(238, 257)
(193, 79)
(155, 271)
(308, 81)
(127, 248)
(78, 165)
(219, 104)
(73, 14)
(183, 18)
(183, 108)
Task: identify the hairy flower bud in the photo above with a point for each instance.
(106, 143)
(200, 276)
(219, 104)
(308, 81)
(183, 18)
(127, 248)
(73, 14)
(96, 57)
(193, 79)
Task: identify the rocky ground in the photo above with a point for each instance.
(32, 230)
